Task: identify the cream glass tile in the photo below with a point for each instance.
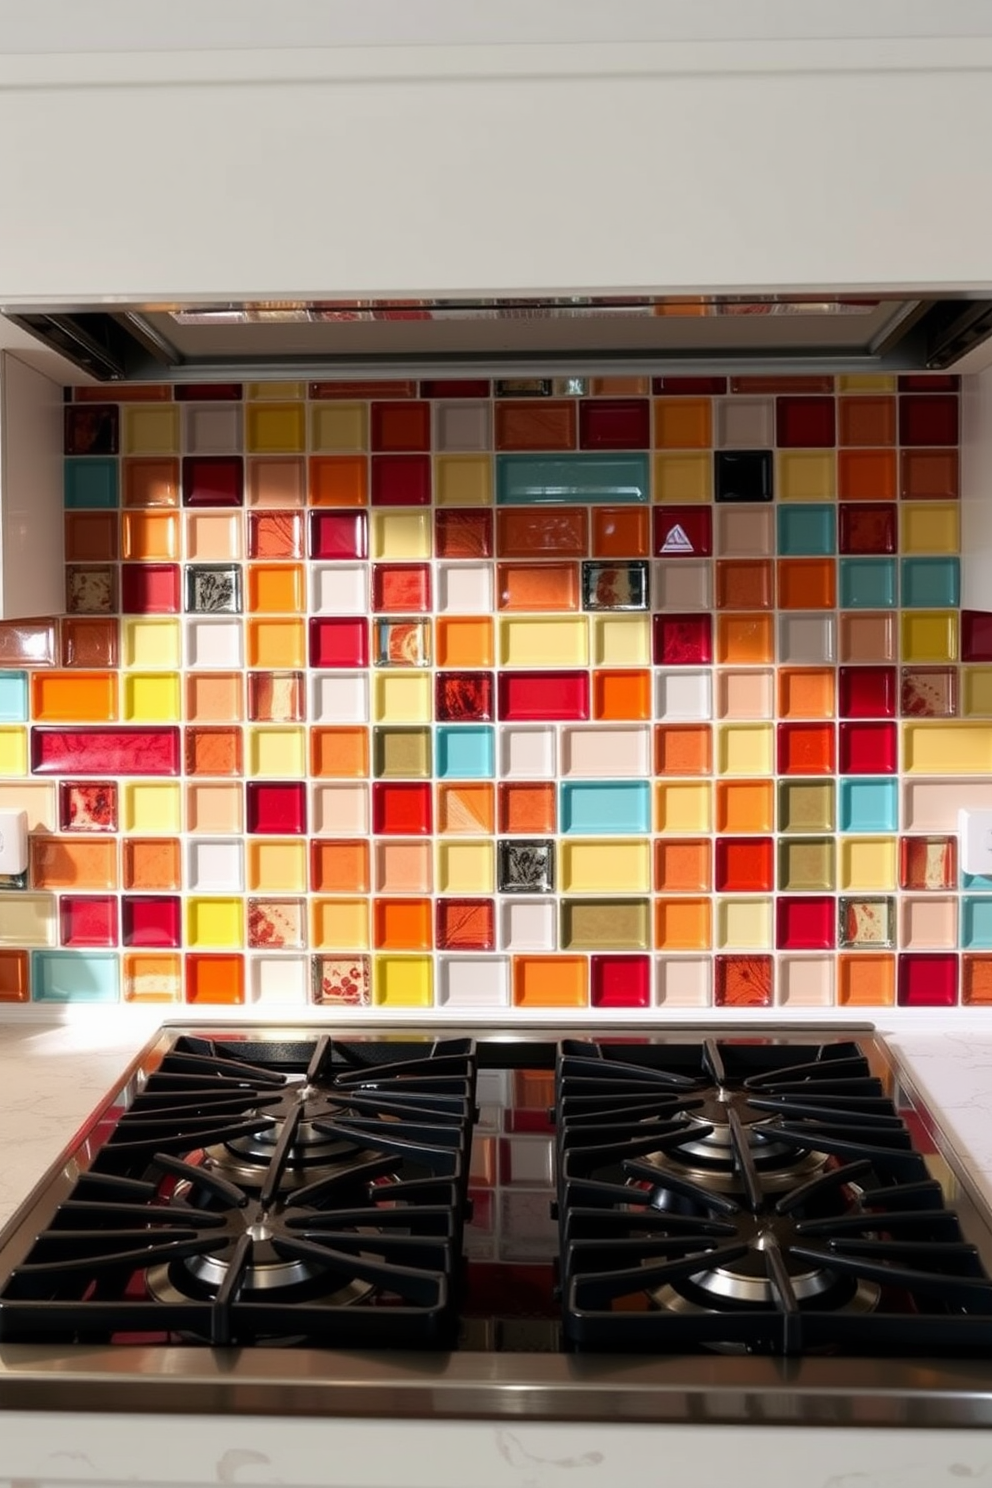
(214, 536)
(474, 981)
(277, 752)
(212, 428)
(278, 980)
(29, 920)
(681, 584)
(807, 640)
(403, 697)
(528, 924)
(928, 924)
(151, 643)
(744, 924)
(932, 805)
(744, 423)
(341, 809)
(605, 752)
(463, 426)
(340, 697)
(214, 644)
(339, 589)
(527, 753)
(559, 642)
(465, 588)
(745, 694)
(215, 865)
(466, 867)
(37, 800)
(683, 981)
(683, 696)
(745, 531)
(806, 981)
(215, 806)
(622, 640)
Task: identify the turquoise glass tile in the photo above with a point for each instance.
(604, 807)
(89, 482)
(13, 697)
(976, 924)
(869, 805)
(74, 976)
(867, 583)
(466, 752)
(976, 881)
(928, 582)
(547, 480)
(807, 531)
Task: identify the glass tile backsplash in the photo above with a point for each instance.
(608, 693)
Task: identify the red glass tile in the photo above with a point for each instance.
(806, 922)
(867, 692)
(928, 863)
(535, 424)
(543, 695)
(867, 528)
(151, 920)
(323, 391)
(339, 534)
(275, 534)
(401, 426)
(453, 387)
(462, 696)
(929, 419)
(780, 383)
(150, 588)
(805, 423)
(465, 925)
(745, 865)
(683, 531)
(523, 532)
(614, 423)
(976, 635)
(92, 429)
(339, 642)
(276, 807)
(805, 749)
(401, 808)
(620, 981)
(87, 806)
(689, 386)
(87, 920)
(868, 748)
(463, 534)
(929, 382)
(209, 392)
(681, 640)
(929, 474)
(401, 480)
(213, 480)
(743, 981)
(401, 588)
(103, 751)
(927, 980)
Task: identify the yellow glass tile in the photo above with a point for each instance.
(463, 480)
(401, 534)
(276, 392)
(683, 806)
(279, 866)
(606, 924)
(534, 643)
(275, 588)
(976, 692)
(74, 697)
(340, 924)
(29, 920)
(152, 976)
(215, 922)
(403, 981)
(152, 697)
(34, 798)
(464, 641)
(622, 640)
(276, 429)
(683, 924)
(806, 475)
(929, 635)
(947, 748)
(403, 697)
(279, 752)
(152, 643)
(683, 478)
(277, 644)
(13, 751)
(339, 426)
(929, 527)
(152, 807)
(745, 749)
(868, 862)
(622, 867)
(745, 805)
(150, 535)
(213, 536)
(683, 423)
(151, 430)
(215, 806)
(744, 924)
(465, 867)
(866, 382)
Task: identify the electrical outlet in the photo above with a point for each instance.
(13, 841)
(975, 837)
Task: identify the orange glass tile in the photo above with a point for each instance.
(402, 925)
(277, 480)
(743, 981)
(806, 692)
(806, 749)
(277, 644)
(339, 480)
(339, 867)
(866, 475)
(537, 586)
(275, 588)
(745, 805)
(550, 981)
(214, 697)
(150, 534)
(683, 749)
(73, 863)
(88, 641)
(682, 423)
(150, 863)
(619, 387)
(745, 637)
(152, 977)
(976, 980)
(14, 976)
(339, 753)
(213, 751)
(542, 531)
(807, 583)
(90, 536)
(150, 482)
(744, 584)
(464, 641)
(525, 807)
(929, 475)
(275, 534)
(682, 924)
(215, 978)
(74, 697)
(535, 424)
(468, 808)
(867, 635)
(869, 421)
(683, 865)
(866, 981)
(778, 382)
(621, 532)
(621, 695)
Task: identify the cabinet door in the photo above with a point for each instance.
(31, 527)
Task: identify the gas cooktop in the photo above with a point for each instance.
(676, 1224)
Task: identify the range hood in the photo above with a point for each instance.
(552, 335)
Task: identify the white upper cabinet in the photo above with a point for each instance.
(31, 543)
